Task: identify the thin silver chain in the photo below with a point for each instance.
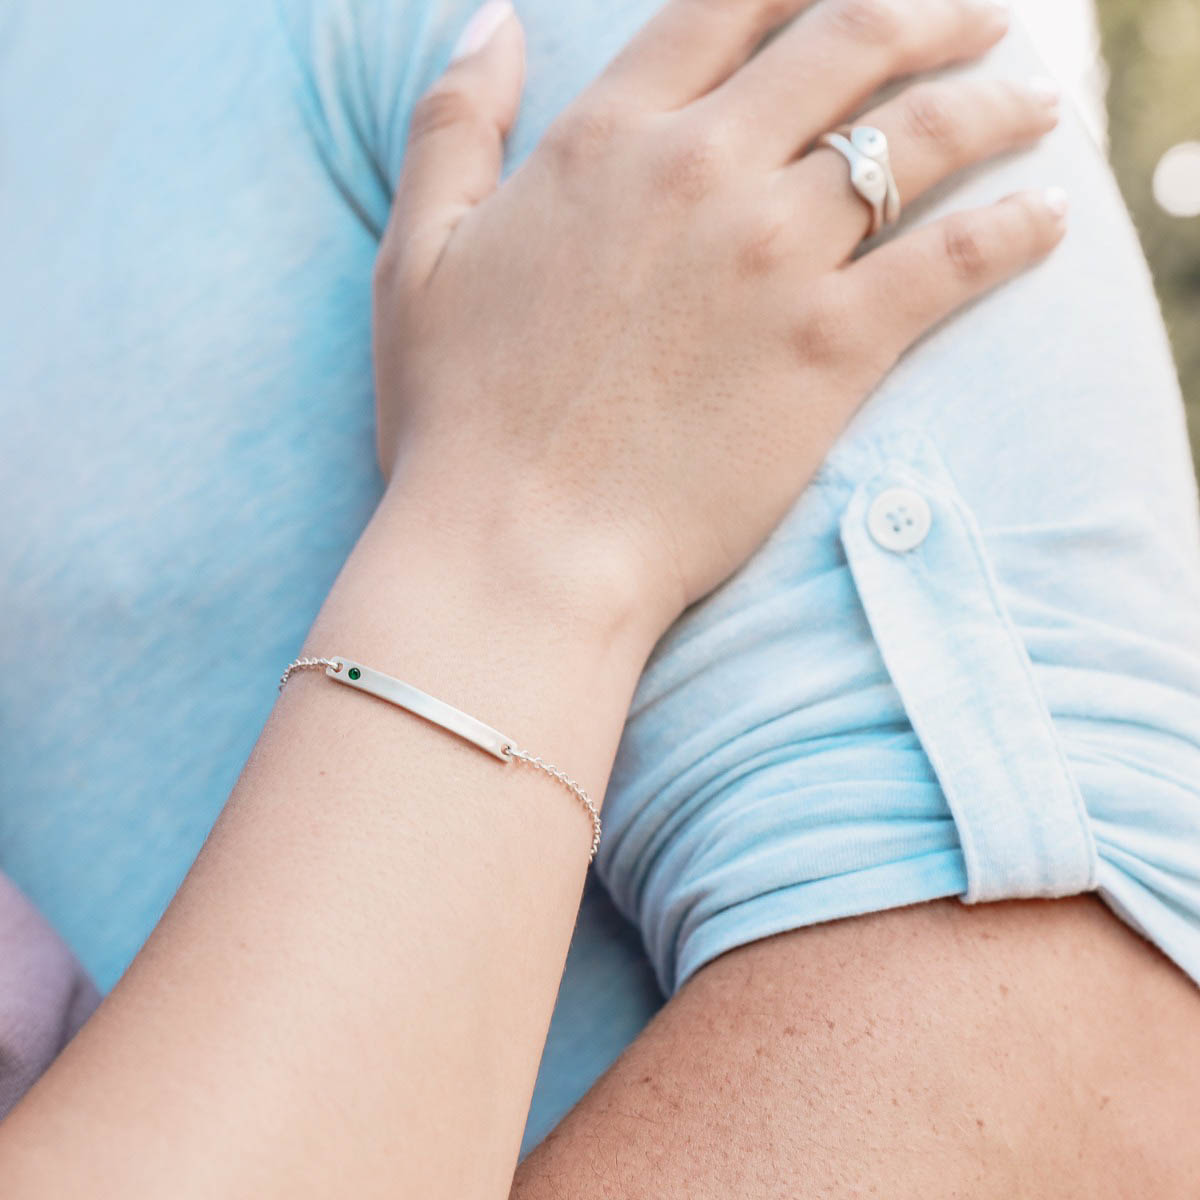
(304, 664)
(512, 753)
(580, 793)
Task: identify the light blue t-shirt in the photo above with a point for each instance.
(190, 201)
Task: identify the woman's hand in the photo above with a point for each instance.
(642, 345)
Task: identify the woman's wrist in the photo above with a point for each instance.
(548, 574)
(492, 618)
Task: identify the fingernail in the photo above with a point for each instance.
(1045, 90)
(480, 28)
(1056, 201)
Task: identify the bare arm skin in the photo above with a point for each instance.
(355, 981)
(1026, 1049)
(350, 993)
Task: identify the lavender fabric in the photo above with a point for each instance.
(45, 995)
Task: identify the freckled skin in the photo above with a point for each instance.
(1025, 1049)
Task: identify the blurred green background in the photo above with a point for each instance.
(1152, 48)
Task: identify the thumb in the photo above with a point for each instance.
(456, 137)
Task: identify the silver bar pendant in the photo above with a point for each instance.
(405, 696)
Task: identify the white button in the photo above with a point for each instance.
(899, 519)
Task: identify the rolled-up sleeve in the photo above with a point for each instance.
(854, 722)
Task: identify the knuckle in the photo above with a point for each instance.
(823, 335)
(594, 129)
(930, 116)
(690, 165)
(582, 134)
(964, 248)
(870, 22)
(773, 13)
(762, 246)
(443, 108)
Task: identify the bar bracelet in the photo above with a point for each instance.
(438, 712)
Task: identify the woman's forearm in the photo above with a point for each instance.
(350, 993)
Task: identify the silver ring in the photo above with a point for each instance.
(865, 148)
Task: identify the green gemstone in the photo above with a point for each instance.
(355, 673)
